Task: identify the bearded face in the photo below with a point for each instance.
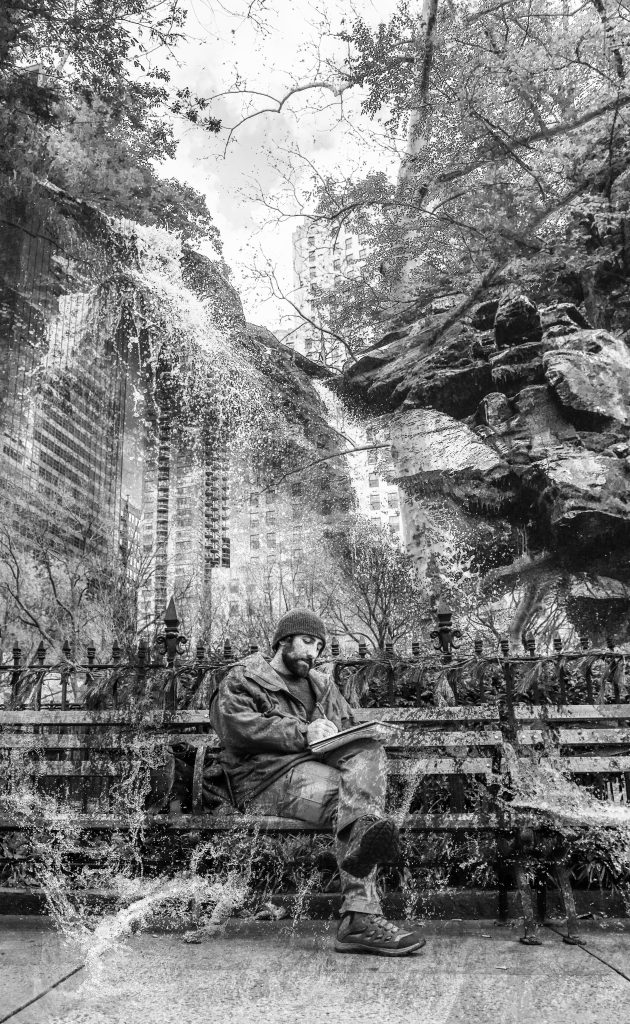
(299, 654)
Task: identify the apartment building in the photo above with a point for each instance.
(325, 258)
(322, 259)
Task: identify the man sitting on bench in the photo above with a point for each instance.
(266, 714)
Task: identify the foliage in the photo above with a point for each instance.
(380, 597)
(82, 100)
(60, 580)
(508, 123)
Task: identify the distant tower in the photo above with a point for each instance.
(321, 259)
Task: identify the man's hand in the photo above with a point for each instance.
(320, 729)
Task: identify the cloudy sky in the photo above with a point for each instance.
(278, 48)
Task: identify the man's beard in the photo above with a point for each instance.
(297, 665)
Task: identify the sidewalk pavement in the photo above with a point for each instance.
(259, 972)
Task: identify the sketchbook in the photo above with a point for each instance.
(365, 730)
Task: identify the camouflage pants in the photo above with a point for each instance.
(335, 792)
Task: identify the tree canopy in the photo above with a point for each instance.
(86, 101)
(504, 128)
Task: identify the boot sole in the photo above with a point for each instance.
(358, 947)
(379, 845)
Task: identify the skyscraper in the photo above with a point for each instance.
(322, 259)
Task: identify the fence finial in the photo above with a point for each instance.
(444, 636)
(171, 642)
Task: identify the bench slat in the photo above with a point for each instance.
(190, 822)
(577, 737)
(597, 765)
(422, 766)
(415, 737)
(81, 716)
(570, 712)
(448, 714)
(94, 741)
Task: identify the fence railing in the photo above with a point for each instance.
(167, 674)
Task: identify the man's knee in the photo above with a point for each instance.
(368, 755)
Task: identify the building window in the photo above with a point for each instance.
(271, 540)
(392, 500)
(234, 608)
(234, 587)
(375, 501)
(253, 522)
(271, 517)
(374, 481)
(253, 500)
(254, 543)
(296, 490)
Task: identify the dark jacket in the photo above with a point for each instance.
(262, 726)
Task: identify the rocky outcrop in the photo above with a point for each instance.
(589, 372)
(515, 419)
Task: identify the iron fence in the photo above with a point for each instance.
(168, 674)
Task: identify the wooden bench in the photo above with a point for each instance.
(452, 770)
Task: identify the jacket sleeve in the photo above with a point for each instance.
(248, 729)
(337, 707)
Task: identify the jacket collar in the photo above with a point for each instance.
(257, 667)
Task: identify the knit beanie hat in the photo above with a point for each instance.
(299, 621)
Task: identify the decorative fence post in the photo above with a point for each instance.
(171, 643)
(141, 671)
(116, 652)
(65, 674)
(445, 637)
(561, 675)
(509, 682)
(588, 675)
(40, 656)
(89, 673)
(391, 674)
(15, 675)
(480, 675)
(529, 643)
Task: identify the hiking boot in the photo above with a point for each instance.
(373, 933)
(372, 841)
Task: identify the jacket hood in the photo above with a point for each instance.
(256, 667)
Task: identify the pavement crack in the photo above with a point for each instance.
(41, 994)
(586, 950)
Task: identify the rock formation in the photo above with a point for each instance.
(514, 421)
